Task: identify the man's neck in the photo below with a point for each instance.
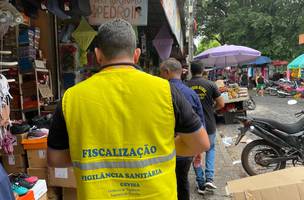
(198, 76)
(116, 61)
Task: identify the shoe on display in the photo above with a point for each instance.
(38, 133)
(26, 177)
(209, 185)
(19, 189)
(21, 182)
(20, 128)
(201, 189)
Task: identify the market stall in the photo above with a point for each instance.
(296, 68)
(235, 98)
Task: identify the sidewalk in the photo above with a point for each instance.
(224, 172)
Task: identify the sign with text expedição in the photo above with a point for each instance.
(134, 11)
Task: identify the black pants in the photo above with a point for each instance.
(182, 169)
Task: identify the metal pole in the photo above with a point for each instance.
(190, 38)
(58, 72)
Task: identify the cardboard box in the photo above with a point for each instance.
(40, 189)
(14, 161)
(18, 147)
(41, 173)
(54, 193)
(37, 158)
(44, 197)
(10, 169)
(278, 185)
(69, 194)
(61, 177)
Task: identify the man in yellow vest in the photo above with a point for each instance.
(117, 128)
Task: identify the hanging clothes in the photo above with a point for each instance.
(6, 138)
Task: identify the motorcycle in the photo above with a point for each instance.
(278, 144)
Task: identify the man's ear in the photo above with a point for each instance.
(98, 55)
(136, 56)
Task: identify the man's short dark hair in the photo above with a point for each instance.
(171, 64)
(116, 38)
(196, 68)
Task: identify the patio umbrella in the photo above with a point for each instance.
(227, 55)
(260, 61)
(297, 63)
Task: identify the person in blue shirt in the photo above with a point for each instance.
(171, 69)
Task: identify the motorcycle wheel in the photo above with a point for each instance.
(273, 92)
(265, 150)
(281, 95)
(250, 104)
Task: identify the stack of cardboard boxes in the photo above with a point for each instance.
(63, 177)
(30, 156)
(16, 162)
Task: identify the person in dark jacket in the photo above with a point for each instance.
(211, 100)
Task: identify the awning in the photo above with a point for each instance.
(260, 61)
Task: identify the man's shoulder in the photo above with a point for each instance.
(199, 81)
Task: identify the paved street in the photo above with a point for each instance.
(267, 107)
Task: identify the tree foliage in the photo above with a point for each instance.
(270, 26)
(207, 43)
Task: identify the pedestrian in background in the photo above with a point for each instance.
(211, 100)
(260, 84)
(117, 128)
(171, 69)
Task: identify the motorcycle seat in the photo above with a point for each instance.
(287, 128)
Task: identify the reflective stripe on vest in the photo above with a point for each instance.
(132, 164)
(120, 124)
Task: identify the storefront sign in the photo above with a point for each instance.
(134, 11)
(301, 39)
(173, 16)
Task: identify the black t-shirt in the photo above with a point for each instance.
(186, 121)
(207, 92)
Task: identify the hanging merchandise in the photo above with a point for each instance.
(53, 7)
(76, 8)
(163, 42)
(84, 35)
(6, 138)
(9, 14)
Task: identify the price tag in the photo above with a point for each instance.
(42, 154)
(11, 160)
(61, 173)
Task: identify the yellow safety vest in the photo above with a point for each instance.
(120, 124)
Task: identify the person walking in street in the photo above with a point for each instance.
(211, 100)
(171, 69)
(260, 84)
(117, 128)
(244, 80)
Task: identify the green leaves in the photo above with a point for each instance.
(266, 25)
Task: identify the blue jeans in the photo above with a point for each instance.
(201, 176)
